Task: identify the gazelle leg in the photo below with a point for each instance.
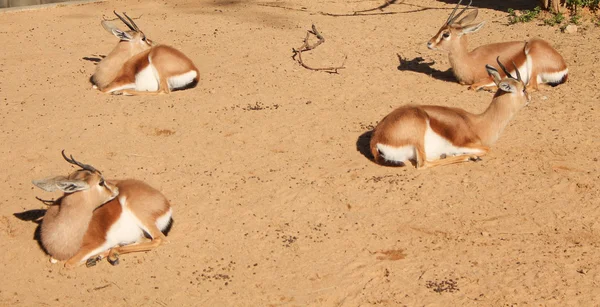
(485, 84)
(449, 160)
(532, 85)
(163, 89)
(421, 158)
(132, 92)
(157, 239)
(82, 255)
(164, 86)
(457, 159)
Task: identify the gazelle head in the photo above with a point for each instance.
(134, 37)
(448, 37)
(513, 86)
(86, 180)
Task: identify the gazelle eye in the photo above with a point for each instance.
(101, 183)
(446, 35)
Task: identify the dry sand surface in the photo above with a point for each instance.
(274, 201)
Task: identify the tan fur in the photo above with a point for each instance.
(65, 223)
(468, 66)
(109, 68)
(79, 222)
(133, 53)
(407, 125)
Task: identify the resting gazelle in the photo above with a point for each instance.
(537, 61)
(437, 135)
(139, 66)
(97, 218)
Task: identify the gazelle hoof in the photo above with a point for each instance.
(475, 158)
(113, 259)
(92, 261)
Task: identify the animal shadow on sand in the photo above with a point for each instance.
(419, 65)
(94, 58)
(362, 145)
(34, 216)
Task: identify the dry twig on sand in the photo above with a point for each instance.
(368, 11)
(306, 46)
(379, 8)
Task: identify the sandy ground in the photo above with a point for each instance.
(274, 202)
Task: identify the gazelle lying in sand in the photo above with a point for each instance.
(138, 66)
(436, 135)
(96, 217)
(539, 63)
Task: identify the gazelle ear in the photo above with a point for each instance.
(61, 183)
(468, 18)
(111, 28)
(507, 87)
(472, 28)
(493, 72)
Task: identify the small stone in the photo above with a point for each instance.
(485, 234)
(570, 29)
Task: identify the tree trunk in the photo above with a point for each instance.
(552, 5)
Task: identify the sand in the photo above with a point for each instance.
(274, 201)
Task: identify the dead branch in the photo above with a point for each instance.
(282, 7)
(380, 8)
(306, 46)
(369, 12)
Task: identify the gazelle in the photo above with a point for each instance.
(536, 59)
(437, 135)
(139, 66)
(97, 218)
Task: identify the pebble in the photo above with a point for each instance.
(570, 29)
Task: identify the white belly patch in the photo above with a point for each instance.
(126, 230)
(146, 80)
(436, 146)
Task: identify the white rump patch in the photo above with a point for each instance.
(436, 146)
(163, 221)
(146, 80)
(397, 154)
(552, 77)
(182, 80)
